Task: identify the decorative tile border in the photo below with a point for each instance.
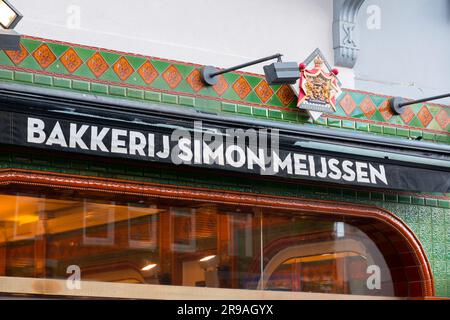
(100, 71)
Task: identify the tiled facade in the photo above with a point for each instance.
(100, 71)
(78, 68)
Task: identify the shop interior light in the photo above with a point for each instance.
(207, 258)
(209, 262)
(149, 266)
(9, 16)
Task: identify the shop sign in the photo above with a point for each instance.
(261, 152)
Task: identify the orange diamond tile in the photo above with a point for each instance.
(123, 68)
(263, 91)
(221, 86)
(148, 72)
(71, 60)
(97, 64)
(408, 115)
(285, 94)
(242, 87)
(348, 104)
(443, 118)
(386, 111)
(425, 116)
(17, 56)
(44, 56)
(195, 80)
(172, 76)
(368, 107)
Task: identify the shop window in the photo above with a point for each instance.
(145, 240)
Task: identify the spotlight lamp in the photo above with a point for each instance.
(9, 18)
(276, 73)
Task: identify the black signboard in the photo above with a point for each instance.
(261, 152)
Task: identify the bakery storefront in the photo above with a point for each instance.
(156, 186)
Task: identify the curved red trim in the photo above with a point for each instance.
(55, 180)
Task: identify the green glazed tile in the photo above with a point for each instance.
(187, 101)
(23, 76)
(377, 196)
(30, 44)
(62, 83)
(290, 116)
(80, 85)
(348, 193)
(391, 197)
(431, 202)
(169, 98)
(402, 132)
(153, 96)
(416, 134)
(444, 204)
(117, 91)
(135, 93)
(30, 63)
(334, 122)
(360, 126)
(99, 88)
(5, 60)
(110, 75)
(43, 79)
(276, 114)
(415, 122)
(160, 65)
(136, 62)
(348, 124)
(389, 130)
(228, 107)
(259, 112)
(110, 57)
(84, 53)
(58, 68)
(404, 199)
(374, 128)
(363, 195)
(6, 74)
(185, 70)
(442, 138)
(244, 109)
(418, 200)
(252, 97)
(57, 49)
(84, 71)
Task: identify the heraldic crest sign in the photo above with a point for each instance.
(319, 86)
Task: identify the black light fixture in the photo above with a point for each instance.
(398, 104)
(282, 73)
(276, 73)
(9, 18)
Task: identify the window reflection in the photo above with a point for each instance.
(134, 239)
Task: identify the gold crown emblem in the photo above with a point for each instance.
(318, 62)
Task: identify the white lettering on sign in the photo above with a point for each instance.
(233, 148)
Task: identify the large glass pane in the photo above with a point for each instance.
(318, 254)
(128, 239)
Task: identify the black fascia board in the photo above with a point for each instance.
(44, 100)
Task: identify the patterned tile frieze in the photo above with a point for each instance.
(94, 69)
